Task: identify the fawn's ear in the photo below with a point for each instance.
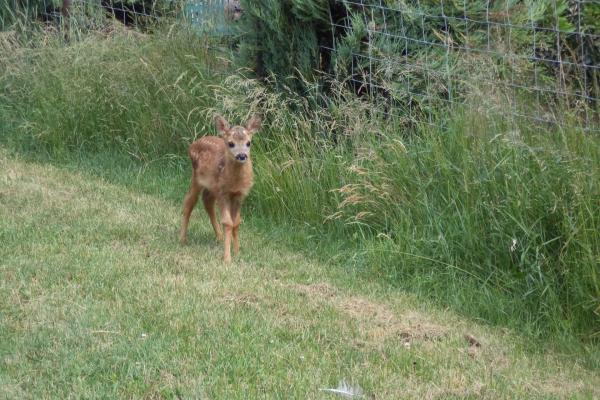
(222, 125)
(253, 125)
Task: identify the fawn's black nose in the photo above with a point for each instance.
(241, 157)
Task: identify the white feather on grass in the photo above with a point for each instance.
(346, 390)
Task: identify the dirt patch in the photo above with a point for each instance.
(246, 300)
(564, 381)
(565, 388)
(316, 290)
(377, 322)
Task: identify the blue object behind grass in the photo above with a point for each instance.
(208, 16)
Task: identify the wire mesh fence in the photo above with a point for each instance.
(525, 59)
(83, 14)
(208, 16)
(530, 60)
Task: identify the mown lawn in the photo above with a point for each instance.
(98, 300)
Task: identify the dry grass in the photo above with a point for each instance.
(377, 323)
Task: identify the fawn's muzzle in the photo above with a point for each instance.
(241, 157)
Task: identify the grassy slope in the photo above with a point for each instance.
(489, 219)
(90, 268)
(99, 300)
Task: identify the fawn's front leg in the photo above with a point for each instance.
(227, 222)
(235, 214)
(230, 217)
(227, 251)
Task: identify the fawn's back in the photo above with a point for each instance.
(216, 169)
(208, 161)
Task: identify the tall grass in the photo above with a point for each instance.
(497, 218)
(113, 89)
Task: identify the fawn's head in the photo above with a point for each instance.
(238, 138)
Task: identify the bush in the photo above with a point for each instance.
(454, 48)
(283, 37)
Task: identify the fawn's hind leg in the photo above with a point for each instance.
(191, 198)
(209, 200)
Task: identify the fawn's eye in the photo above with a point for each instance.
(248, 144)
(231, 145)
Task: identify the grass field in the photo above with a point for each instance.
(98, 300)
(370, 250)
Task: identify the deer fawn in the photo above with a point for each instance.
(222, 172)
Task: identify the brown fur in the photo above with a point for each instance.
(222, 178)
